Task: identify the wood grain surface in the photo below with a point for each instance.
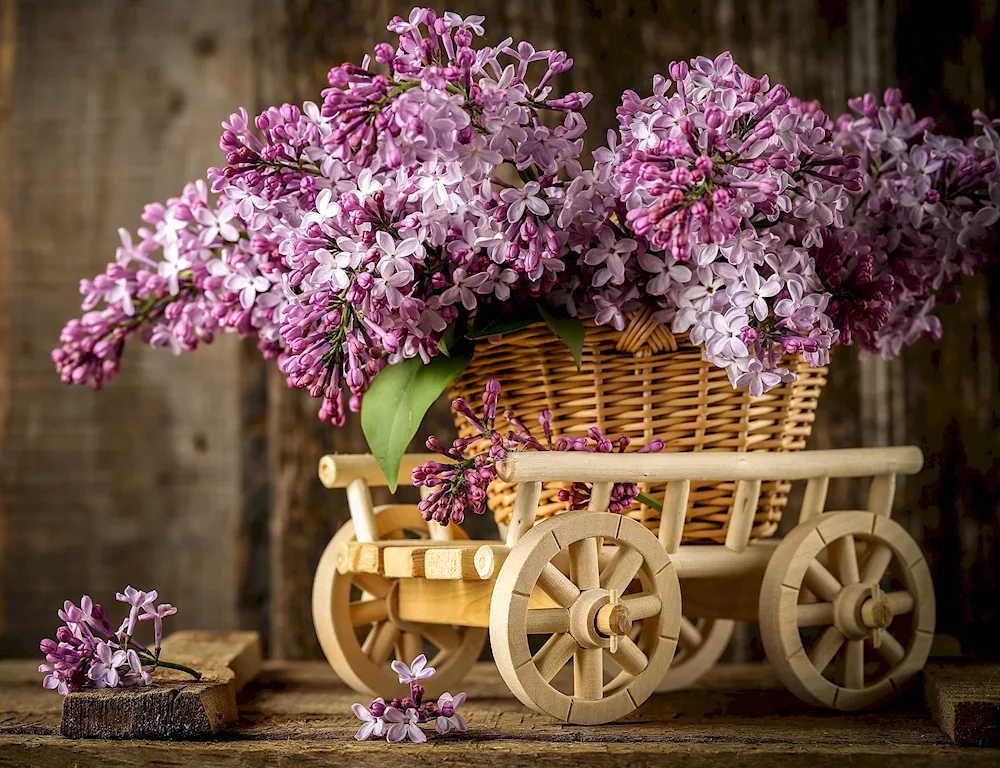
(297, 714)
(178, 706)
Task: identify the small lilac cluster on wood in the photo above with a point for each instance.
(89, 653)
(460, 483)
(401, 718)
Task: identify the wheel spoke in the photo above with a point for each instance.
(845, 555)
(557, 586)
(380, 641)
(690, 637)
(409, 646)
(547, 620)
(642, 605)
(618, 574)
(814, 614)
(368, 612)
(854, 665)
(821, 582)
(553, 656)
(825, 648)
(583, 566)
(891, 650)
(876, 564)
(629, 656)
(445, 638)
(900, 602)
(372, 583)
(588, 673)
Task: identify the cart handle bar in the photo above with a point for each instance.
(545, 466)
(340, 470)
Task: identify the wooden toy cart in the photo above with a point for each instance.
(845, 600)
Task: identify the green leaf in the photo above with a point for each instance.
(570, 330)
(447, 340)
(395, 404)
(505, 324)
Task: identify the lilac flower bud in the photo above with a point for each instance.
(377, 708)
(679, 70)
(714, 117)
(384, 53)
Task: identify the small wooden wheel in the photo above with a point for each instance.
(871, 618)
(700, 645)
(355, 619)
(585, 616)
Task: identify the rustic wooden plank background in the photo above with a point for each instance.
(197, 475)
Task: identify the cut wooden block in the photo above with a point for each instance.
(177, 706)
(964, 700)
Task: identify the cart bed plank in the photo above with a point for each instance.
(299, 714)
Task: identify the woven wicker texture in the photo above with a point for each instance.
(644, 383)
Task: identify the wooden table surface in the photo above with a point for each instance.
(298, 714)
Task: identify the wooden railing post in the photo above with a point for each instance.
(675, 503)
(742, 517)
(814, 500)
(359, 501)
(881, 494)
(525, 506)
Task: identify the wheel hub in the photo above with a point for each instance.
(861, 611)
(598, 619)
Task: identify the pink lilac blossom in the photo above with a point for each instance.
(427, 189)
(764, 228)
(926, 205)
(88, 652)
(460, 482)
(401, 718)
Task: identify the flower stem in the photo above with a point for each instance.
(649, 501)
(171, 665)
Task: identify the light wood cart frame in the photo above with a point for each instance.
(845, 601)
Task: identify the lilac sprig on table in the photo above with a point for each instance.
(89, 652)
(400, 719)
(460, 483)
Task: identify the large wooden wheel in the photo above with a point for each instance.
(699, 646)
(358, 627)
(585, 617)
(847, 610)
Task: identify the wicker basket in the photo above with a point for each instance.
(645, 383)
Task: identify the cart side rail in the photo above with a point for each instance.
(708, 466)
(339, 470)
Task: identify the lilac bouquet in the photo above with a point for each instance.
(436, 195)
(89, 653)
(401, 718)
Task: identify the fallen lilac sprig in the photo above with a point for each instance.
(89, 653)
(401, 718)
(460, 483)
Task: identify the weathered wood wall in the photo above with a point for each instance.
(115, 104)
(161, 479)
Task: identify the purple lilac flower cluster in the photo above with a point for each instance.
(89, 652)
(763, 227)
(926, 202)
(429, 191)
(460, 483)
(400, 719)
(193, 274)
